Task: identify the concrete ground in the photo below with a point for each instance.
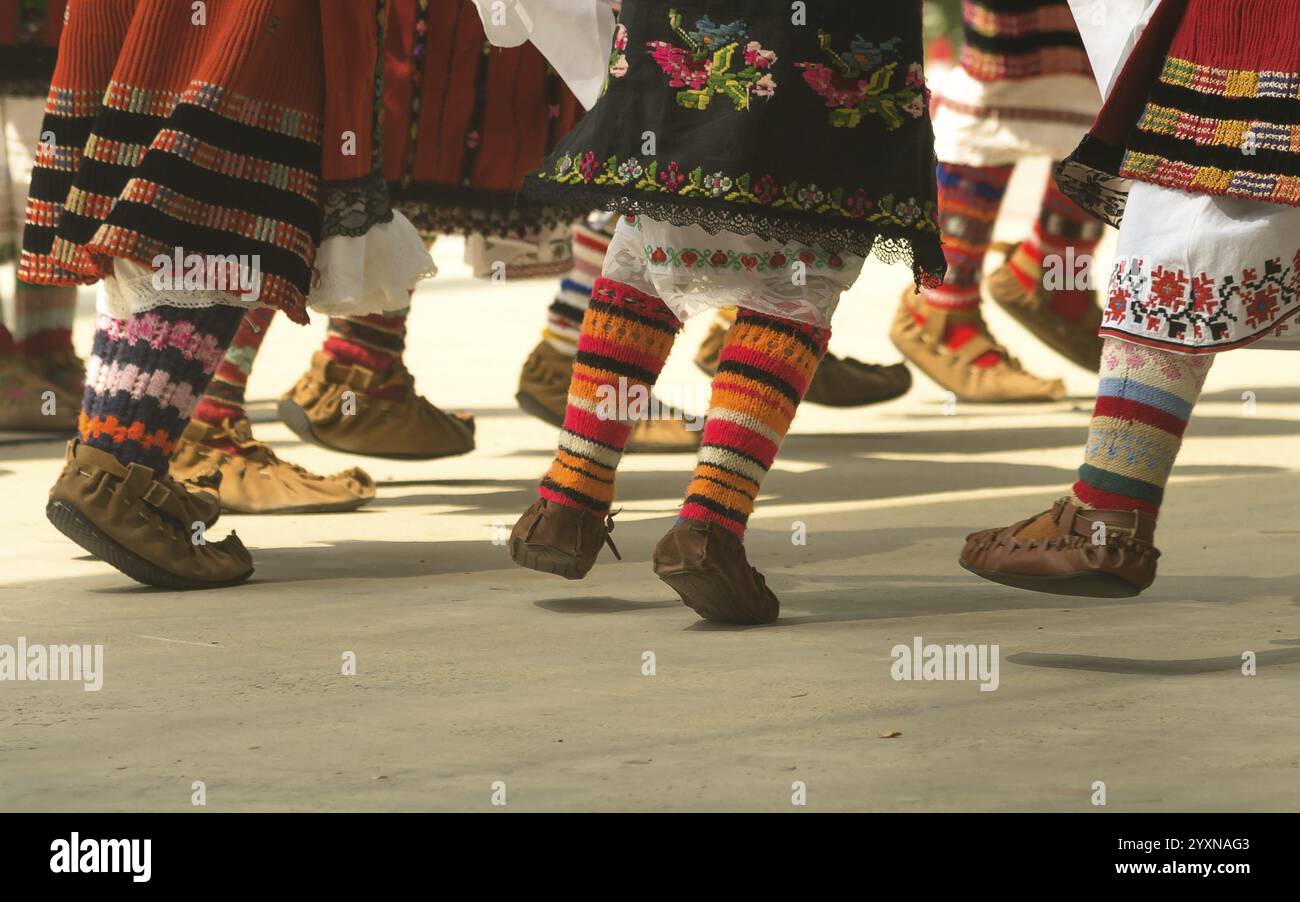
(473, 672)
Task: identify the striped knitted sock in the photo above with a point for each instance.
(1064, 237)
(1143, 403)
(969, 200)
(626, 337)
(43, 317)
(145, 376)
(375, 342)
(564, 316)
(224, 399)
(764, 370)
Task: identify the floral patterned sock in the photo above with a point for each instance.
(1144, 401)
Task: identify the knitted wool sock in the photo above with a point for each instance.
(764, 370)
(145, 376)
(1064, 239)
(375, 342)
(564, 316)
(626, 337)
(1143, 403)
(224, 399)
(43, 318)
(969, 200)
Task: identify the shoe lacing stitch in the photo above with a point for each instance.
(609, 528)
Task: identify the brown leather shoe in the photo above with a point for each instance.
(837, 382)
(1069, 550)
(544, 393)
(342, 407)
(257, 481)
(126, 517)
(706, 565)
(199, 495)
(559, 539)
(955, 370)
(848, 382)
(1077, 342)
(29, 403)
(62, 367)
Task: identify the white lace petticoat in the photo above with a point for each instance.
(693, 270)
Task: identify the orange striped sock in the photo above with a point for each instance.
(763, 373)
(625, 339)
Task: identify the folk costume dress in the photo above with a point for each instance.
(250, 132)
(1023, 86)
(464, 123)
(747, 143)
(1196, 157)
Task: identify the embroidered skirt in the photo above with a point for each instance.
(1196, 156)
(465, 122)
(1024, 86)
(739, 117)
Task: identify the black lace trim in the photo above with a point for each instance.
(923, 254)
(1090, 177)
(440, 210)
(352, 208)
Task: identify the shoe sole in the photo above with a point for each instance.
(530, 405)
(1031, 326)
(295, 417)
(708, 596)
(546, 560)
(1083, 585)
(73, 524)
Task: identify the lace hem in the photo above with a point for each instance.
(1090, 178)
(438, 210)
(891, 245)
(352, 208)
(692, 271)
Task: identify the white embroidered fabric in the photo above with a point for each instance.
(357, 276)
(1200, 259)
(803, 292)
(996, 123)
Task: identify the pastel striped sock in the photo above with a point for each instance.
(564, 316)
(969, 200)
(1143, 404)
(626, 337)
(763, 373)
(1064, 232)
(145, 376)
(224, 399)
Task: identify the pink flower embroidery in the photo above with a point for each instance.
(682, 71)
